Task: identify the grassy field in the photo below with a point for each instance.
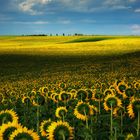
(87, 65)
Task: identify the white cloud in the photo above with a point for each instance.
(121, 7)
(137, 10)
(28, 6)
(119, 4)
(35, 7)
(135, 29)
(64, 21)
(33, 22)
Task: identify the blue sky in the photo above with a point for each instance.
(110, 17)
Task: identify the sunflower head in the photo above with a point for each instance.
(64, 96)
(24, 134)
(62, 85)
(137, 85)
(52, 95)
(119, 111)
(32, 93)
(44, 126)
(44, 90)
(26, 100)
(108, 91)
(97, 95)
(61, 112)
(111, 101)
(56, 98)
(83, 111)
(89, 93)
(60, 130)
(82, 94)
(73, 92)
(133, 107)
(122, 86)
(38, 99)
(7, 129)
(8, 116)
(129, 92)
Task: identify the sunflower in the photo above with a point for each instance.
(62, 85)
(130, 137)
(44, 126)
(52, 95)
(73, 92)
(38, 100)
(33, 92)
(7, 129)
(111, 100)
(13, 99)
(61, 112)
(26, 100)
(118, 111)
(64, 96)
(49, 94)
(44, 90)
(137, 85)
(8, 116)
(97, 96)
(112, 87)
(56, 98)
(60, 130)
(133, 107)
(24, 133)
(82, 94)
(90, 92)
(83, 110)
(108, 91)
(121, 88)
(129, 92)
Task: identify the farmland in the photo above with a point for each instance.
(69, 87)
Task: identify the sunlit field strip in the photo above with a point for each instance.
(60, 46)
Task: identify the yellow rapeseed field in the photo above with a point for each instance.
(70, 45)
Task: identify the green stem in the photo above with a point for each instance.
(63, 136)
(37, 125)
(99, 106)
(111, 123)
(63, 117)
(138, 123)
(86, 119)
(121, 123)
(115, 133)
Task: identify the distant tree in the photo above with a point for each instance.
(56, 34)
(77, 34)
(63, 34)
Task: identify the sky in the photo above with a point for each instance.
(96, 17)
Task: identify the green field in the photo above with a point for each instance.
(63, 63)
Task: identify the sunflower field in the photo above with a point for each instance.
(70, 97)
